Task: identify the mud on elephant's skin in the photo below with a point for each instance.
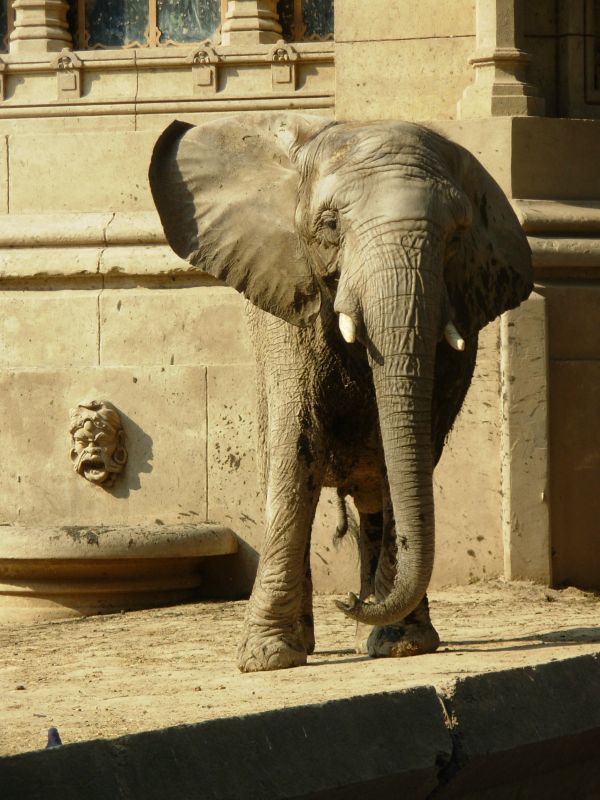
(371, 256)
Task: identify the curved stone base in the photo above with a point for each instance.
(62, 572)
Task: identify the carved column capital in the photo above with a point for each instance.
(500, 88)
(251, 22)
(40, 27)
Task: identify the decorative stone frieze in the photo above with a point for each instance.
(40, 27)
(251, 22)
(68, 75)
(98, 450)
(204, 61)
(283, 67)
(500, 88)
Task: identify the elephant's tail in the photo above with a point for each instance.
(345, 522)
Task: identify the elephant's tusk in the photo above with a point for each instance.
(453, 337)
(347, 328)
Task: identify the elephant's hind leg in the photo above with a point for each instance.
(414, 635)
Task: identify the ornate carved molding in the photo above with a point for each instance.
(68, 75)
(283, 67)
(204, 61)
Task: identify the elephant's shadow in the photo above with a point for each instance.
(568, 637)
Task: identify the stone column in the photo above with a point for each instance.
(500, 88)
(40, 27)
(251, 22)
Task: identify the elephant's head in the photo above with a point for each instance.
(404, 231)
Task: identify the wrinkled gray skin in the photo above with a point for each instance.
(401, 231)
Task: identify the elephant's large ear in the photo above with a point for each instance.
(490, 269)
(226, 193)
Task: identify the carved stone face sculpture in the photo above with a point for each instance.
(98, 449)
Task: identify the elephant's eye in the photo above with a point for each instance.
(329, 221)
(328, 229)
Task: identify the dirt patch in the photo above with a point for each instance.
(107, 676)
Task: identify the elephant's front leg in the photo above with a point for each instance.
(275, 634)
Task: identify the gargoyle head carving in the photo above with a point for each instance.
(98, 451)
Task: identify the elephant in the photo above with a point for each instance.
(370, 256)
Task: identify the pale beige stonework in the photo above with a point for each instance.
(500, 87)
(163, 410)
(403, 76)
(468, 479)
(92, 298)
(86, 184)
(53, 329)
(378, 20)
(525, 479)
(250, 22)
(40, 26)
(200, 325)
(70, 571)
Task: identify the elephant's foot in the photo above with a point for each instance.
(400, 640)
(261, 651)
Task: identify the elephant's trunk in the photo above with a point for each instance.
(401, 314)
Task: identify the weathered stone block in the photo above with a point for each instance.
(356, 20)
(532, 732)
(574, 439)
(3, 175)
(234, 494)
(525, 501)
(196, 325)
(555, 158)
(413, 79)
(164, 417)
(467, 479)
(574, 329)
(402, 736)
(66, 178)
(46, 329)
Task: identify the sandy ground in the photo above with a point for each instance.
(107, 676)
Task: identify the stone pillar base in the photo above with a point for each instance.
(40, 27)
(500, 89)
(251, 22)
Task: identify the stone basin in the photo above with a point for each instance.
(53, 573)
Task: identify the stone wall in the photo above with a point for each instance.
(92, 301)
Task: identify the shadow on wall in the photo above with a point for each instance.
(139, 461)
(229, 577)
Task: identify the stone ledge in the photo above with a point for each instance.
(558, 216)
(53, 573)
(45, 246)
(530, 732)
(534, 730)
(120, 58)
(116, 541)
